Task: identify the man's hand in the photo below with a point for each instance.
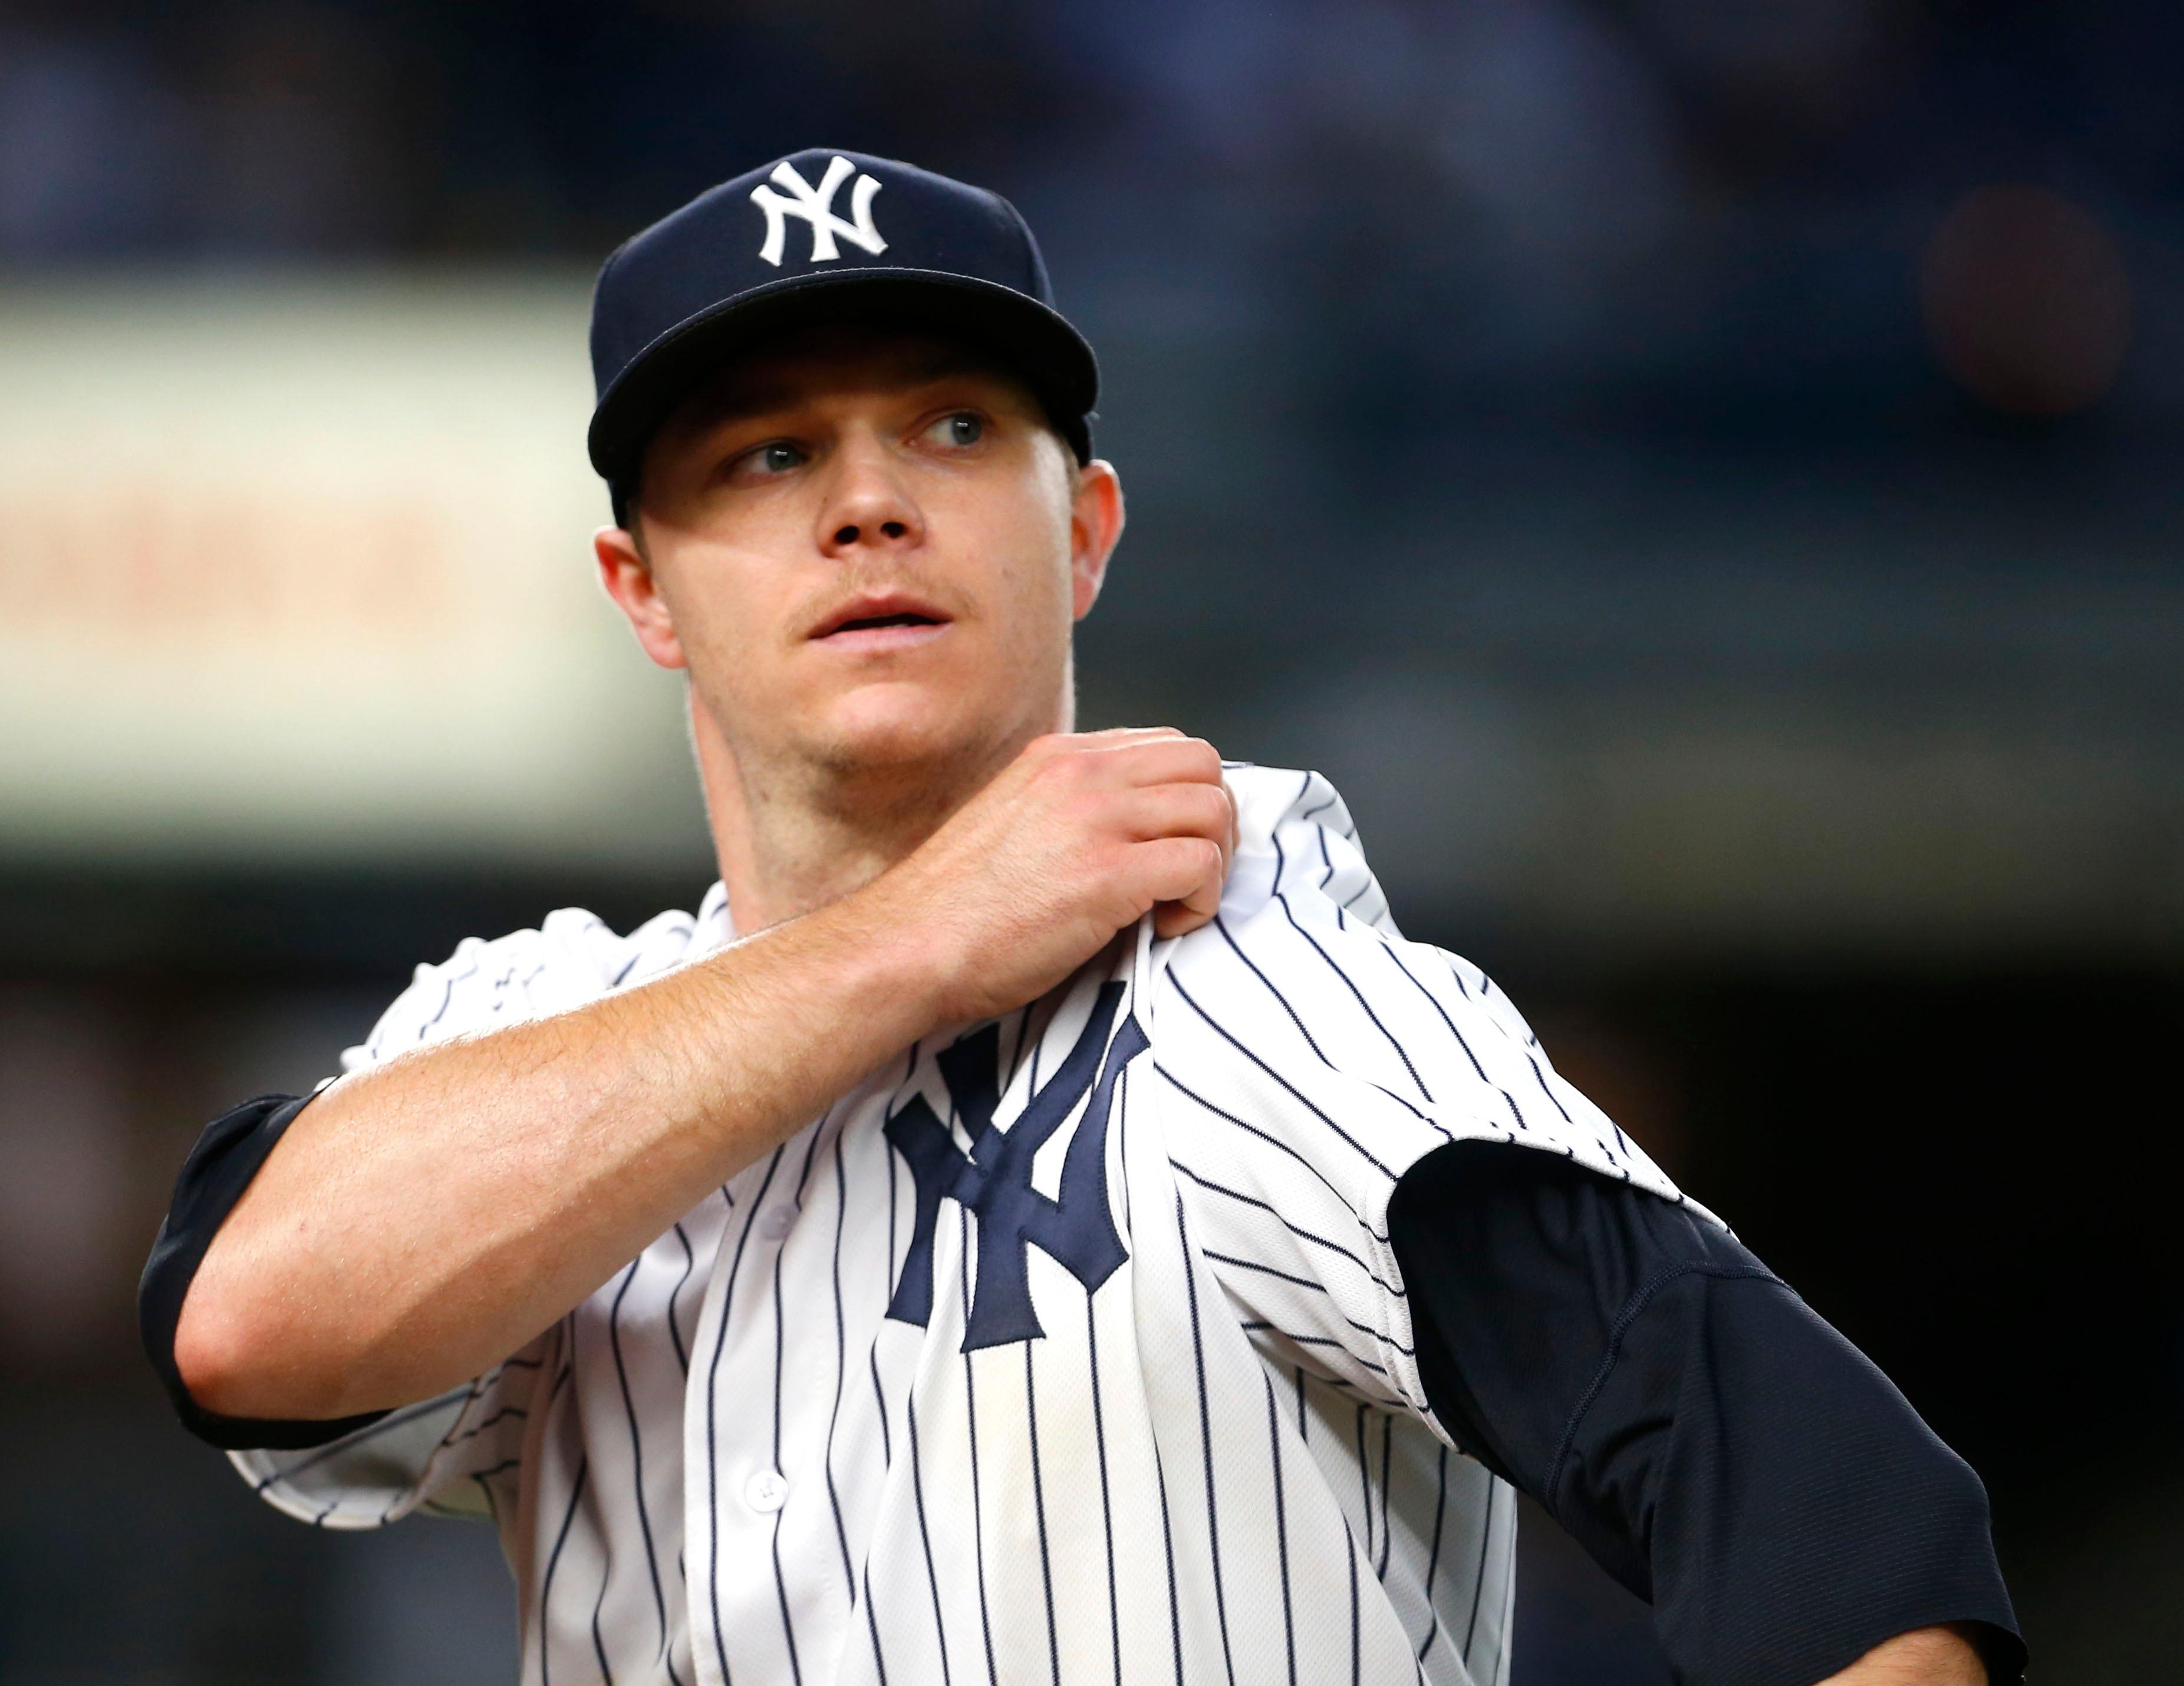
(1082, 835)
(1926, 1656)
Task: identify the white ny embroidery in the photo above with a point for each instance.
(816, 205)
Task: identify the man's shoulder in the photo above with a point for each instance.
(1299, 889)
(1305, 978)
(570, 958)
(1303, 952)
(1302, 903)
(1303, 1015)
(1296, 842)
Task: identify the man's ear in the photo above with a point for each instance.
(1095, 525)
(628, 579)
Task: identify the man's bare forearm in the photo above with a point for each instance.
(420, 1221)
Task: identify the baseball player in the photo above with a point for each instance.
(1038, 1219)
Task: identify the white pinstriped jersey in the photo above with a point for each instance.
(1067, 1348)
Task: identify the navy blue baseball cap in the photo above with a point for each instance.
(821, 236)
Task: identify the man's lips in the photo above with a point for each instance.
(889, 621)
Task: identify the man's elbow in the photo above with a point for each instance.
(218, 1357)
(236, 1359)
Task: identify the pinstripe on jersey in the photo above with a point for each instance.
(1133, 1400)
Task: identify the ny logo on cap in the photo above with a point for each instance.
(816, 205)
(993, 1182)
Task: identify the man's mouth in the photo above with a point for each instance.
(907, 618)
(884, 621)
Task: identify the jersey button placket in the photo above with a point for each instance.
(767, 1489)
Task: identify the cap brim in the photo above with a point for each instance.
(1036, 341)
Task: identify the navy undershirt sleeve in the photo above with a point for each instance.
(1712, 1443)
(213, 1179)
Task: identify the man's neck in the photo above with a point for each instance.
(789, 843)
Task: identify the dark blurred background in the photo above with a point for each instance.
(1702, 477)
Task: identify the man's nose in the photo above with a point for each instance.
(870, 507)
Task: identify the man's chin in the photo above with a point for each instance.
(886, 740)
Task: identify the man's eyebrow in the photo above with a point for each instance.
(744, 400)
(738, 402)
(944, 365)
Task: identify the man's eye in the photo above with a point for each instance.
(777, 457)
(962, 428)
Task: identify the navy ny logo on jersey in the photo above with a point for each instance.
(993, 1181)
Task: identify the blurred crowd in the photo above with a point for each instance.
(1708, 206)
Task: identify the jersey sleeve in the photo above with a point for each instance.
(1306, 1056)
(456, 1455)
(1713, 1443)
(460, 1453)
(573, 957)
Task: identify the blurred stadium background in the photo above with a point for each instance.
(1702, 478)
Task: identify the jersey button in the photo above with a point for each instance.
(776, 1225)
(766, 1490)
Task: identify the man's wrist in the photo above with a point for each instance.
(903, 968)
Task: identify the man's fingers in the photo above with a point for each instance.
(1180, 810)
(1187, 884)
(1123, 734)
(1176, 918)
(1084, 832)
(1184, 877)
(1115, 739)
(1205, 900)
(1131, 756)
(1182, 917)
(1165, 794)
(1174, 868)
(1175, 760)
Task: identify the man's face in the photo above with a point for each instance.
(869, 549)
